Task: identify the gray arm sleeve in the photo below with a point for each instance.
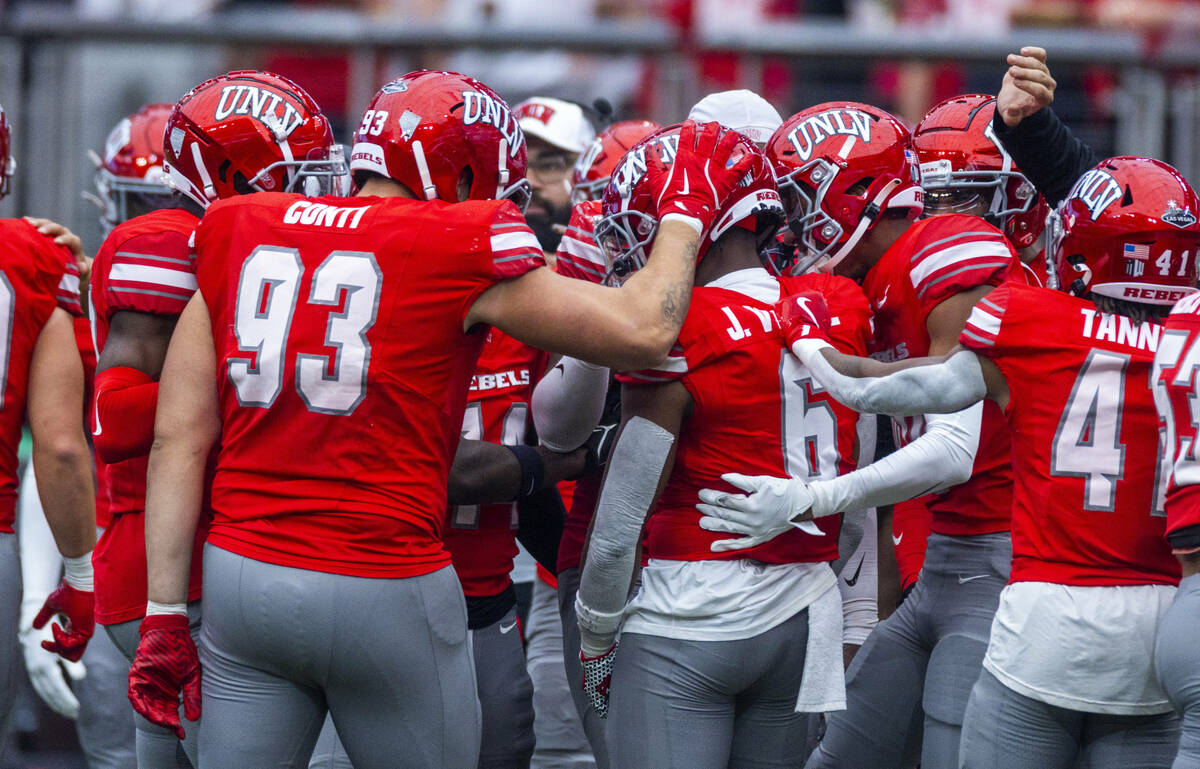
(567, 404)
(937, 389)
(629, 487)
(942, 457)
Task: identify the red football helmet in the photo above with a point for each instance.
(595, 167)
(426, 128)
(629, 220)
(8, 165)
(1128, 230)
(129, 178)
(839, 166)
(963, 163)
(250, 131)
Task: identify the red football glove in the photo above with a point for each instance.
(76, 606)
(701, 176)
(804, 315)
(165, 666)
(597, 678)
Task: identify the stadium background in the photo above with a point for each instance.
(1128, 74)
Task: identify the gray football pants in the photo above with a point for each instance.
(388, 659)
(505, 699)
(560, 740)
(10, 647)
(105, 724)
(924, 657)
(593, 724)
(709, 704)
(1177, 663)
(1007, 730)
(156, 747)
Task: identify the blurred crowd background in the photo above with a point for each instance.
(1128, 73)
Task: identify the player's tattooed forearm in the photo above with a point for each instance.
(675, 299)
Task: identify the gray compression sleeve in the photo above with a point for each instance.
(942, 388)
(568, 403)
(629, 487)
(942, 457)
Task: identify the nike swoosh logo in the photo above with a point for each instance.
(504, 629)
(896, 540)
(852, 580)
(963, 580)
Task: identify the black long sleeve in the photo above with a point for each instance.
(1046, 151)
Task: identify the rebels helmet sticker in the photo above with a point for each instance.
(1179, 217)
(835, 122)
(481, 108)
(1098, 190)
(260, 104)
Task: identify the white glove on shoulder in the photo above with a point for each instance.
(772, 507)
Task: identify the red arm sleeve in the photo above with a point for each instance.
(125, 403)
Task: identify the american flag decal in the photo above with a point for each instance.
(1136, 255)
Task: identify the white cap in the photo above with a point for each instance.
(744, 111)
(556, 122)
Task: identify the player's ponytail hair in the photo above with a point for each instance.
(1138, 312)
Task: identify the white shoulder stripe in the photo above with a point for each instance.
(984, 320)
(69, 283)
(510, 241)
(159, 276)
(960, 254)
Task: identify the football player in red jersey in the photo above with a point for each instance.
(325, 326)
(849, 179)
(216, 146)
(1175, 652)
(1067, 673)
(41, 378)
(965, 170)
(714, 647)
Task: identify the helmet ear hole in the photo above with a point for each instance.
(466, 179)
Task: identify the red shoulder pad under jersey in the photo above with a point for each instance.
(1084, 437)
(954, 253)
(146, 265)
(850, 314)
(1176, 367)
(579, 255)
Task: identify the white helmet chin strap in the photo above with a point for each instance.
(423, 169)
(870, 215)
(210, 192)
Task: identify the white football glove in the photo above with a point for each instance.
(597, 678)
(774, 506)
(49, 673)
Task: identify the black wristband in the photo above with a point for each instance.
(533, 469)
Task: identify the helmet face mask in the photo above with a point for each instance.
(817, 232)
(625, 239)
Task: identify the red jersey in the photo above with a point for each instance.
(732, 337)
(932, 261)
(343, 370)
(1084, 437)
(35, 276)
(578, 255)
(144, 265)
(1175, 393)
(482, 539)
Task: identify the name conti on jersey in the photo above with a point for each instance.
(1118, 329)
(324, 215)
